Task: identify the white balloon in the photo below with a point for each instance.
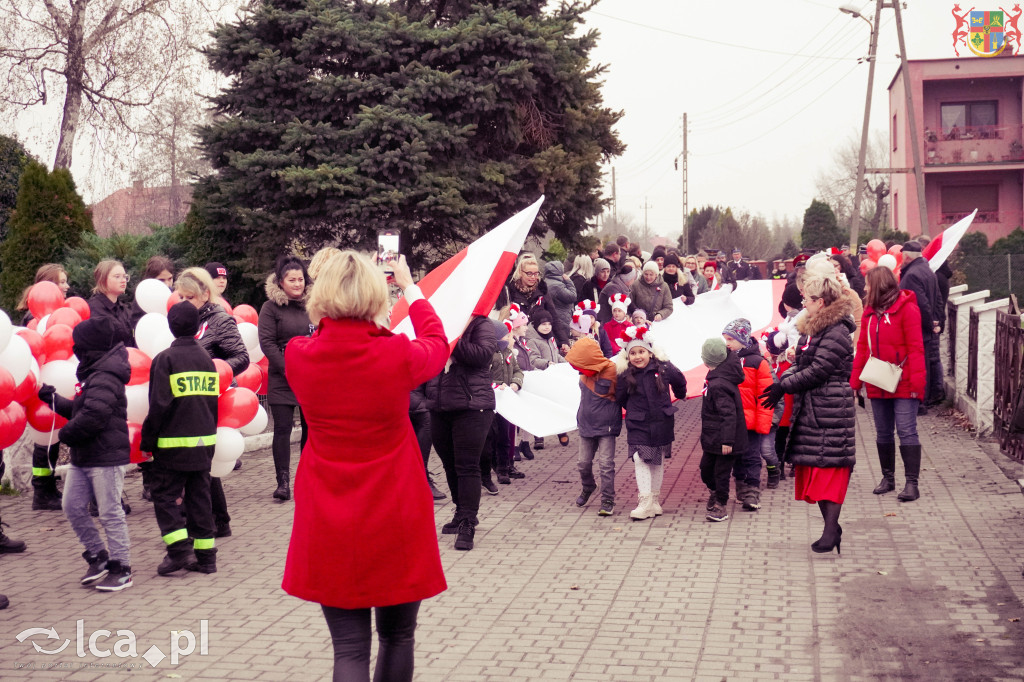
(152, 295)
(17, 358)
(41, 437)
(6, 330)
(61, 375)
(41, 327)
(221, 469)
(888, 261)
(257, 425)
(230, 445)
(138, 402)
(152, 333)
(251, 338)
(34, 369)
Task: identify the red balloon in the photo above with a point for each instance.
(65, 315)
(57, 342)
(225, 374)
(44, 298)
(140, 363)
(27, 389)
(42, 418)
(227, 307)
(7, 388)
(136, 455)
(12, 424)
(251, 378)
(897, 251)
(264, 366)
(34, 340)
(80, 306)
(246, 313)
(237, 407)
(32, 324)
(876, 249)
(173, 300)
(866, 265)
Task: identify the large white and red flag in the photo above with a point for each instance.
(469, 282)
(938, 249)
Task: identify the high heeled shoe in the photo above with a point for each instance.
(826, 549)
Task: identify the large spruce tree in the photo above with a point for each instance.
(343, 118)
(820, 230)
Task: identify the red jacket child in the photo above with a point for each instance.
(757, 374)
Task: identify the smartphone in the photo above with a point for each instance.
(387, 248)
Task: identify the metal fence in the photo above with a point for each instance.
(1002, 275)
(1010, 360)
(972, 354)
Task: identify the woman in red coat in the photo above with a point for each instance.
(891, 330)
(363, 534)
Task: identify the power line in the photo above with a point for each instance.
(714, 42)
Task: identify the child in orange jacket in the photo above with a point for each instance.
(757, 377)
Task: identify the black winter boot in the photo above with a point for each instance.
(206, 561)
(284, 491)
(42, 497)
(911, 455)
(887, 460)
(179, 556)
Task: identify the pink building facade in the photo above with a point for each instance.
(970, 114)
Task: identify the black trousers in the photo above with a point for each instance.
(459, 438)
(421, 426)
(714, 471)
(195, 513)
(350, 635)
(284, 416)
(46, 457)
(498, 449)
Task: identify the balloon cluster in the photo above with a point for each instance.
(42, 353)
(877, 255)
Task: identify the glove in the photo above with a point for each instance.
(771, 395)
(46, 394)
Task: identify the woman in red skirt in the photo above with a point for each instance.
(821, 441)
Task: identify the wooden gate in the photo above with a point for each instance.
(1010, 367)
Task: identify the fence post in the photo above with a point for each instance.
(986, 399)
(963, 304)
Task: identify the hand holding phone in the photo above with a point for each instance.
(387, 249)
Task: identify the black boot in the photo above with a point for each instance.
(206, 561)
(524, 449)
(912, 467)
(42, 498)
(887, 460)
(284, 491)
(9, 546)
(179, 556)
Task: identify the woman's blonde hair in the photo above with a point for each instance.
(349, 285)
(583, 265)
(101, 273)
(517, 274)
(48, 272)
(195, 281)
(825, 287)
(320, 259)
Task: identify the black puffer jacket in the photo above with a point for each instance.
(650, 414)
(119, 313)
(466, 383)
(917, 276)
(721, 413)
(281, 320)
(97, 432)
(822, 432)
(219, 337)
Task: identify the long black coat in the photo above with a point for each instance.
(97, 432)
(917, 276)
(721, 413)
(823, 419)
(466, 383)
(281, 320)
(650, 414)
(120, 313)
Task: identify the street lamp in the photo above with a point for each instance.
(862, 155)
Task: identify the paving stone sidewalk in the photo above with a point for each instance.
(929, 590)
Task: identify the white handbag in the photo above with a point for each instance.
(880, 373)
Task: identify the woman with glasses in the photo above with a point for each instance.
(822, 439)
(526, 287)
(110, 281)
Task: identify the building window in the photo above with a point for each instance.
(895, 210)
(894, 132)
(969, 118)
(959, 200)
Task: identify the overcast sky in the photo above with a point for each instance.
(762, 122)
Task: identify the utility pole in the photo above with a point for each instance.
(646, 206)
(859, 190)
(685, 185)
(915, 141)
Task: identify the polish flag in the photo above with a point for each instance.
(469, 282)
(938, 249)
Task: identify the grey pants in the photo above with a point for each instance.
(601, 448)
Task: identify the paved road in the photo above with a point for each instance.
(929, 590)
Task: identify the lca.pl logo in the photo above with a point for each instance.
(182, 643)
(987, 33)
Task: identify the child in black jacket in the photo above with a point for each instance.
(181, 432)
(97, 434)
(723, 430)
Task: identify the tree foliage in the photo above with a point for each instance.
(438, 119)
(836, 184)
(13, 158)
(48, 219)
(820, 230)
(713, 227)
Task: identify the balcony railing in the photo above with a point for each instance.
(974, 145)
(1014, 218)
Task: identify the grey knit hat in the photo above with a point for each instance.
(601, 264)
(738, 329)
(713, 352)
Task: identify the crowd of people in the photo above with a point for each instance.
(784, 397)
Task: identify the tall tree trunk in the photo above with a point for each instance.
(74, 72)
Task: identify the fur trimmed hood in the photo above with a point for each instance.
(621, 358)
(840, 311)
(276, 294)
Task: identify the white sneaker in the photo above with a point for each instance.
(644, 509)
